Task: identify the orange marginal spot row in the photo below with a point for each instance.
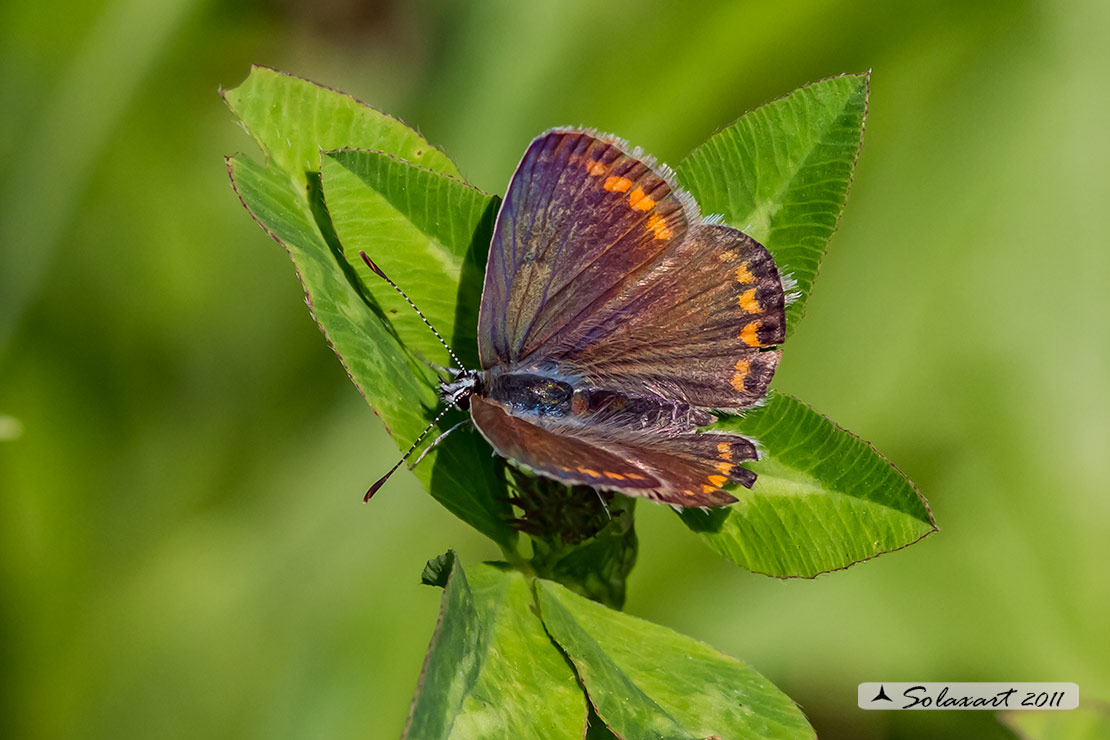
(639, 201)
(742, 367)
(606, 473)
(595, 168)
(748, 302)
(743, 275)
(658, 226)
(749, 335)
(617, 184)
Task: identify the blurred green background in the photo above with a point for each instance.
(183, 551)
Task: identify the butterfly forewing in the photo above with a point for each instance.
(565, 457)
(582, 219)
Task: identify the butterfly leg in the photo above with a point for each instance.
(437, 440)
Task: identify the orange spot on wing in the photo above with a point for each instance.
(595, 168)
(706, 488)
(614, 476)
(658, 226)
(591, 473)
(749, 335)
(717, 480)
(638, 200)
(617, 184)
(727, 256)
(634, 476)
(743, 274)
(724, 467)
(742, 367)
(748, 302)
(688, 492)
(724, 449)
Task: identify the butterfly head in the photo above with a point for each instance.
(458, 391)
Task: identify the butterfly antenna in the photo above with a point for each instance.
(381, 481)
(378, 271)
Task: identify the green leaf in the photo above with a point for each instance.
(824, 500)
(781, 174)
(429, 232)
(491, 670)
(461, 475)
(293, 120)
(646, 681)
(1089, 722)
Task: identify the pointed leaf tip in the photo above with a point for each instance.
(781, 174)
(824, 500)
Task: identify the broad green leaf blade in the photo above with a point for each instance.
(429, 232)
(646, 681)
(461, 475)
(293, 120)
(491, 670)
(781, 174)
(825, 499)
(1091, 721)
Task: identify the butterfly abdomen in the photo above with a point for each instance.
(543, 395)
(614, 408)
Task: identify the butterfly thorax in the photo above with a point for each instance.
(530, 393)
(526, 393)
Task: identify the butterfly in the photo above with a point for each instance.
(615, 321)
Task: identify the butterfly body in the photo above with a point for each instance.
(615, 321)
(533, 394)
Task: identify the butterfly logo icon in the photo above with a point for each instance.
(615, 322)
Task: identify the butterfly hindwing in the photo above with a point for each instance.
(692, 468)
(684, 469)
(564, 457)
(701, 326)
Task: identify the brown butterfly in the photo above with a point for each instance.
(614, 322)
